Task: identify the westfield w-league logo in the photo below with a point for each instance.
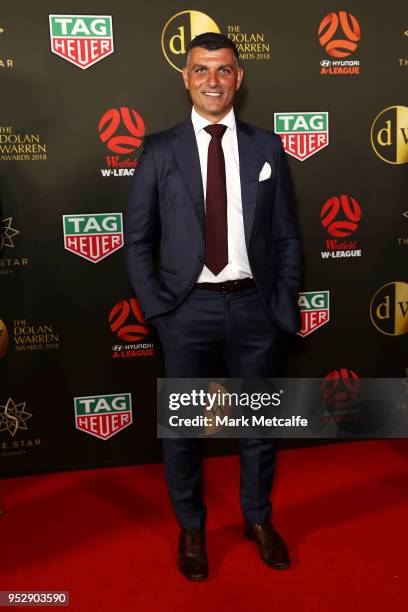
(122, 131)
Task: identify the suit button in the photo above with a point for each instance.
(200, 258)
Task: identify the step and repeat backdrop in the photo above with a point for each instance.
(79, 92)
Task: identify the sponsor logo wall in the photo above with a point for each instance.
(81, 92)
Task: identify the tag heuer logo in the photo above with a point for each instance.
(303, 134)
(82, 40)
(103, 416)
(93, 237)
(314, 310)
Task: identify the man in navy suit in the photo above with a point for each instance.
(215, 195)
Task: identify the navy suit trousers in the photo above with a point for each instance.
(237, 327)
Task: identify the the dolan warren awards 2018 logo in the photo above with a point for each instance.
(389, 309)
(182, 27)
(103, 416)
(4, 339)
(302, 134)
(82, 40)
(314, 310)
(179, 30)
(93, 236)
(389, 135)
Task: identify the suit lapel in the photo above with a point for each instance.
(249, 166)
(185, 149)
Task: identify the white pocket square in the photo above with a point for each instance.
(266, 172)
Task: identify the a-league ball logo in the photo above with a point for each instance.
(128, 123)
(340, 216)
(340, 388)
(339, 34)
(126, 327)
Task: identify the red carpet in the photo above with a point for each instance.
(108, 536)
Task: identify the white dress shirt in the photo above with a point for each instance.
(238, 264)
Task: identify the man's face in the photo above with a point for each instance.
(212, 78)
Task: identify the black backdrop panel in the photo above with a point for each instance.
(78, 93)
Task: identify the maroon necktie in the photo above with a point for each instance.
(216, 231)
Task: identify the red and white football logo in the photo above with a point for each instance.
(340, 216)
(122, 129)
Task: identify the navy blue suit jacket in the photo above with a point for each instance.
(166, 212)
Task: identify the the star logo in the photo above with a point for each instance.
(7, 233)
(1, 30)
(13, 417)
(405, 214)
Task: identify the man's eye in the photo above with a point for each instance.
(201, 70)
(224, 70)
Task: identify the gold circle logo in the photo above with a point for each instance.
(4, 339)
(180, 30)
(389, 309)
(389, 135)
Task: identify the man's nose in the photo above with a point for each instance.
(212, 78)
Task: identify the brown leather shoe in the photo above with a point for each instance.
(192, 555)
(272, 548)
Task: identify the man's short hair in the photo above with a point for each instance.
(212, 41)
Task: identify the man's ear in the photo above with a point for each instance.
(185, 77)
(240, 76)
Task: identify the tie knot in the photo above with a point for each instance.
(216, 130)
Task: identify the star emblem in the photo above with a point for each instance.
(13, 417)
(405, 214)
(7, 233)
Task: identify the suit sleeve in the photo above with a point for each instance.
(286, 231)
(142, 226)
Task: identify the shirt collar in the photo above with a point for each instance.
(199, 122)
